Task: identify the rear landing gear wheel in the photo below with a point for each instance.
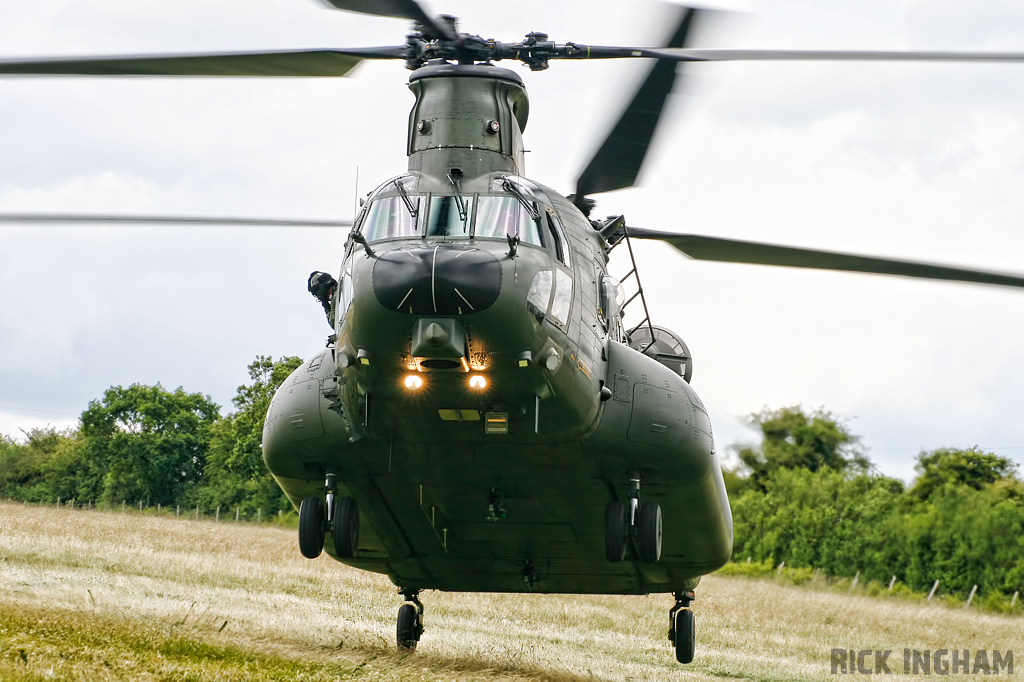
(616, 530)
(409, 627)
(345, 530)
(682, 628)
(686, 636)
(648, 534)
(311, 527)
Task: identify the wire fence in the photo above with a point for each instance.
(222, 513)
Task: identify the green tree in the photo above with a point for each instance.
(144, 443)
(793, 439)
(235, 475)
(37, 469)
(972, 467)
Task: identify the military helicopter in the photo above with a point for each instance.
(482, 419)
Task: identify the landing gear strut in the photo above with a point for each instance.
(410, 620)
(643, 522)
(682, 628)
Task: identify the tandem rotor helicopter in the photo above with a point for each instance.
(482, 419)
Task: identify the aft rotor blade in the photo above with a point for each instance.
(402, 9)
(286, 63)
(700, 247)
(80, 218)
(726, 55)
(618, 161)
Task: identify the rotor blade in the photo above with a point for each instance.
(54, 218)
(293, 63)
(716, 55)
(617, 162)
(700, 247)
(402, 9)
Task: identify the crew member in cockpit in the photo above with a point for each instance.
(322, 286)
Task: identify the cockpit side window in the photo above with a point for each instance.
(445, 216)
(389, 217)
(559, 246)
(497, 217)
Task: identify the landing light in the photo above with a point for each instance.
(413, 382)
(477, 382)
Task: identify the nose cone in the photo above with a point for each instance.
(437, 280)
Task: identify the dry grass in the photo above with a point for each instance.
(105, 596)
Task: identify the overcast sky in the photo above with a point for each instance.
(915, 161)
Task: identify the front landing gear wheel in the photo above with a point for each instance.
(409, 627)
(648, 533)
(345, 530)
(616, 530)
(311, 527)
(686, 636)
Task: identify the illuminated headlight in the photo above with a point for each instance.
(477, 382)
(413, 382)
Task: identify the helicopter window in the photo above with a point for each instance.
(563, 297)
(444, 218)
(389, 217)
(556, 238)
(497, 217)
(540, 293)
(612, 297)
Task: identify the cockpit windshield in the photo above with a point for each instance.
(389, 217)
(446, 218)
(501, 216)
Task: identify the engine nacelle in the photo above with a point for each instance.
(666, 347)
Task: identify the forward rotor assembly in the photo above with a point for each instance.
(615, 165)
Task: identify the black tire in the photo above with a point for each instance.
(615, 531)
(686, 636)
(408, 630)
(311, 527)
(345, 530)
(649, 533)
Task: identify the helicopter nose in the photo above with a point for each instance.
(437, 280)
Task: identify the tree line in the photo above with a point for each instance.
(805, 495)
(146, 444)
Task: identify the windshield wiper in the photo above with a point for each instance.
(455, 177)
(397, 182)
(511, 188)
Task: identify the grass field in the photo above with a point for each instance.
(89, 595)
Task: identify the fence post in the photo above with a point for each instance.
(197, 512)
(140, 505)
(122, 505)
(158, 509)
(855, 579)
(58, 500)
(236, 514)
(259, 514)
(177, 512)
(218, 514)
(971, 598)
(781, 566)
(932, 593)
(748, 560)
(1014, 600)
(892, 583)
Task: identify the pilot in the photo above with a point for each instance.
(322, 286)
